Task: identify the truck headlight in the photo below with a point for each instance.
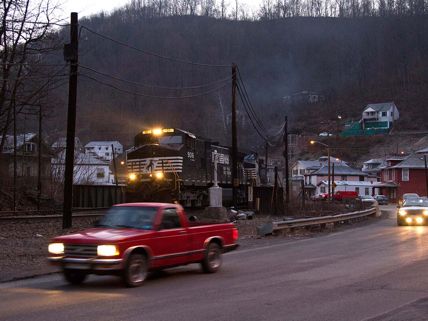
(56, 248)
(402, 212)
(107, 250)
(419, 220)
(425, 212)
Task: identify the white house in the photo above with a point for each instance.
(373, 166)
(88, 169)
(362, 188)
(379, 115)
(305, 167)
(103, 149)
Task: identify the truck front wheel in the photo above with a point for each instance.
(74, 277)
(135, 271)
(213, 258)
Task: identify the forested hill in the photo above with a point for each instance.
(351, 61)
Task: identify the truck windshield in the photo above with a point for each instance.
(421, 202)
(129, 216)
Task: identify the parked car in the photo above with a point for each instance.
(414, 211)
(345, 195)
(382, 199)
(135, 238)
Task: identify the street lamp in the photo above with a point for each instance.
(313, 142)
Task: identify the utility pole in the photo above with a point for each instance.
(39, 160)
(332, 180)
(329, 175)
(114, 166)
(266, 161)
(15, 169)
(275, 192)
(426, 173)
(287, 177)
(235, 178)
(71, 53)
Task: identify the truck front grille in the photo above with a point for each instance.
(80, 250)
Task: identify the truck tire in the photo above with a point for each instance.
(74, 277)
(400, 222)
(213, 258)
(136, 270)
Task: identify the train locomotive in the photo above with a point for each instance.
(171, 164)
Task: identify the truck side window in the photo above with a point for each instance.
(170, 219)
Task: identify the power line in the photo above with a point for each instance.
(149, 53)
(250, 117)
(32, 78)
(153, 96)
(250, 106)
(154, 86)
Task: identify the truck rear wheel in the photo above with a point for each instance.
(135, 271)
(213, 258)
(74, 277)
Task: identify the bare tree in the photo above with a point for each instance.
(25, 24)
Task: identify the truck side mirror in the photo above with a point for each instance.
(193, 218)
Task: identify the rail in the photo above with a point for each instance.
(314, 221)
(47, 214)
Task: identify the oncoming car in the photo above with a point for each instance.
(414, 211)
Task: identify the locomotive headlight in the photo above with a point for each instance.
(132, 177)
(159, 175)
(157, 131)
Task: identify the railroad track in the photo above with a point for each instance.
(49, 214)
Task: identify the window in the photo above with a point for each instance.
(322, 189)
(357, 189)
(384, 114)
(106, 148)
(30, 147)
(302, 172)
(107, 154)
(170, 219)
(100, 173)
(343, 177)
(366, 191)
(405, 176)
(295, 172)
(28, 171)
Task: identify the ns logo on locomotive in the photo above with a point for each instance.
(171, 164)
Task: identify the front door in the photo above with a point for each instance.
(172, 240)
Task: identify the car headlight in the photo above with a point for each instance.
(402, 212)
(56, 248)
(107, 250)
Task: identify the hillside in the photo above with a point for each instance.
(351, 62)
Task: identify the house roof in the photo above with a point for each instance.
(80, 159)
(412, 161)
(20, 140)
(374, 161)
(62, 142)
(349, 183)
(422, 151)
(339, 170)
(309, 163)
(108, 143)
(381, 106)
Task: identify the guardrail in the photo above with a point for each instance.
(314, 221)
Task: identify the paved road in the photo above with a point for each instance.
(376, 271)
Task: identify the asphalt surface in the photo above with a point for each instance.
(377, 271)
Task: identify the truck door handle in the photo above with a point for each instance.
(182, 232)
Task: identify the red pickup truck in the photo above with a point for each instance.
(133, 239)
